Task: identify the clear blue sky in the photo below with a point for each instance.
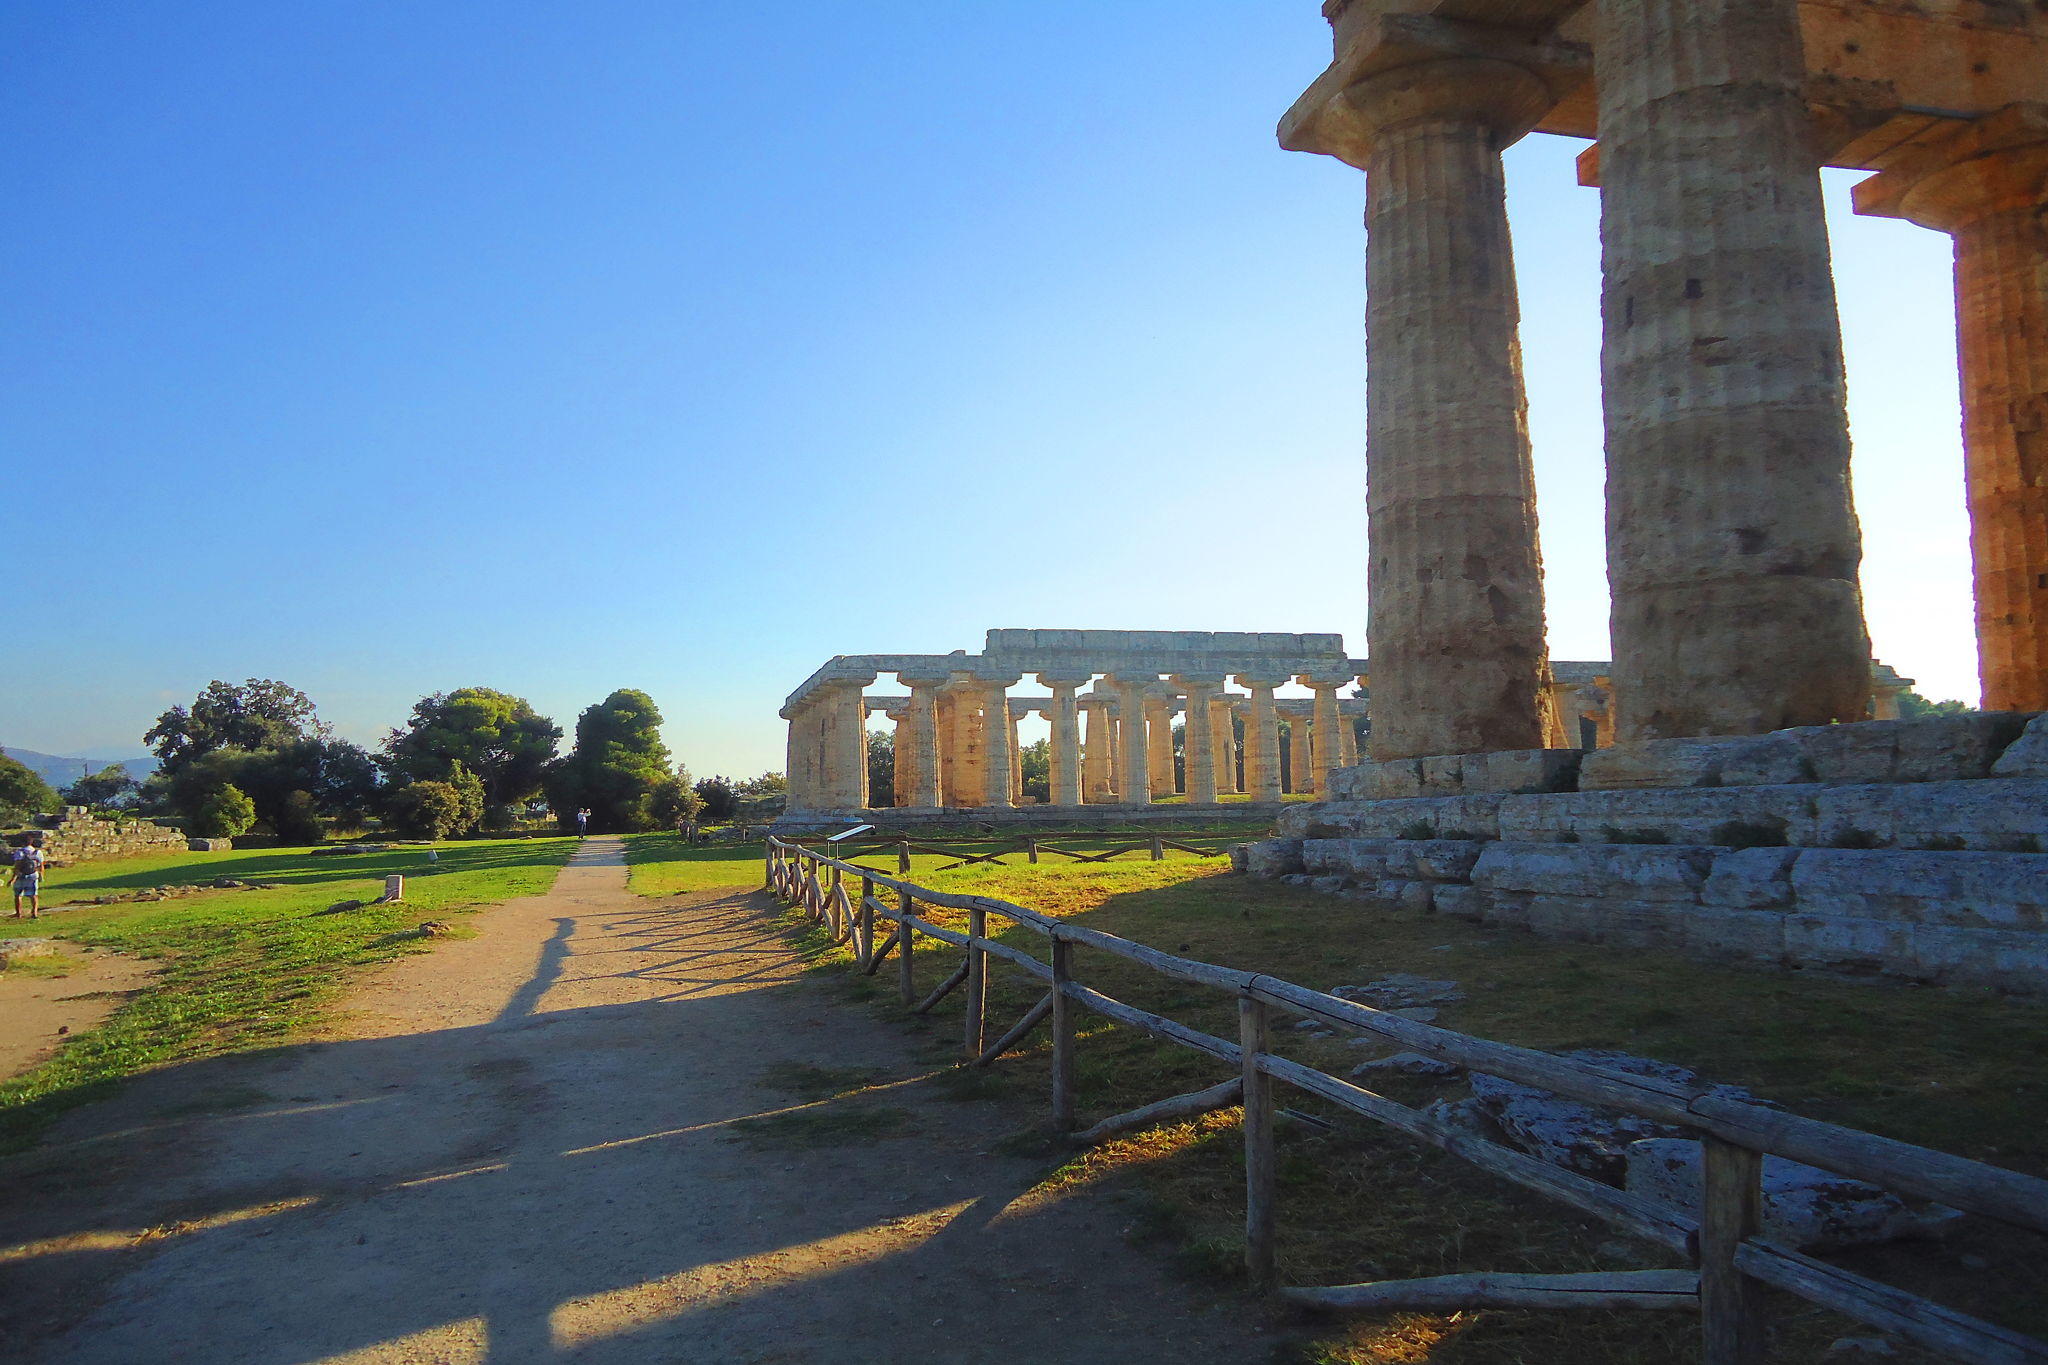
(387, 348)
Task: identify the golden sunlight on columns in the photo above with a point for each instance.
(1198, 738)
(1096, 764)
(1261, 737)
(999, 756)
(1159, 744)
(923, 740)
(1223, 739)
(1063, 751)
(1133, 786)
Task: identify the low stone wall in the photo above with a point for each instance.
(76, 835)
(1974, 918)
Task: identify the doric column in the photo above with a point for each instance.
(1198, 737)
(1223, 739)
(926, 791)
(1299, 763)
(1064, 747)
(1454, 578)
(1347, 733)
(845, 748)
(999, 753)
(1261, 737)
(1134, 787)
(903, 769)
(1328, 722)
(1732, 547)
(970, 741)
(1100, 744)
(792, 748)
(1016, 760)
(1159, 744)
(1988, 188)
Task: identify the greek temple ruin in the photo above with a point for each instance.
(1735, 810)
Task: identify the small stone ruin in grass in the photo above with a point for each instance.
(1804, 1207)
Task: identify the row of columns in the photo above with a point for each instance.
(1733, 547)
(956, 741)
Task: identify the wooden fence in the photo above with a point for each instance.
(1731, 1263)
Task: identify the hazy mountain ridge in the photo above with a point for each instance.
(61, 771)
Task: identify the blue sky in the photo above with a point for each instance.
(387, 348)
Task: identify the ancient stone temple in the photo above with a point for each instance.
(1737, 811)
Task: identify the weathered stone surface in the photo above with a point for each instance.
(1438, 860)
(1619, 923)
(1531, 770)
(1995, 814)
(1744, 935)
(1966, 890)
(1805, 1208)
(1408, 1064)
(2026, 756)
(1849, 945)
(1658, 763)
(1999, 958)
(1443, 817)
(1591, 1140)
(1460, 902)
(1401, 990)
(1927, 749)
(1750, 879)
(1273, 857)
(1680, 816)
(1636, 872)
(209, 845)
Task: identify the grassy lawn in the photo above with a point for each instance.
(1959, 1071)
(244, 969)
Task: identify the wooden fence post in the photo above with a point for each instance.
(768, 867)
(1731, 1208)
(906, 973)
(903, 856)
(1158, 849)
(1031, 850)
(864, 936)
(1062, 1037)
(977, 982)
(1253, 1029)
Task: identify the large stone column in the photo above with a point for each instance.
(1134, 787)
(1988, 188)
(1159, 744)
(1261, 737)
(970, 741)
(1223, 739)
(1732, 547)
(1299, 763)
(1198, 738)
(1455, 582)
(1101, 743)
(845, 747)
(1064, 747)
(999, 756)
(1328, 722)
(1016, 759)
(903, 771)
(1347, 737)
(925, 793)
(792, 749)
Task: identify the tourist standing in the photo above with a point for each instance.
(27, 872)
(582, 822)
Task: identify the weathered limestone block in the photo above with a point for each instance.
(1441, 817)
(1749, 935)
(1994, 814)
(1393, 779)
(1967, 890)
(1930, 749)
(1805, 1208)
(2026, 756)
(210, 845)
(1444, 774)
(1751, 879)
(1678, 815)
(1600, 871)
(1432, 860)
(1531, 770)
(1849, 945)
(1999, 958)
(1273, 857)
(1690, 763)
(1398, 892)
(1460, 902)
(1611, 920)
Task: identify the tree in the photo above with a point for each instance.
(495, 735)
(330, 776)
(676, 800)
(224, 814)
(22, 791)
(109, 787)
(258, 714)
(881, 768)
(1034, 767)
(617, 765)
(425, 810)
(1912, 706)
(720, 797)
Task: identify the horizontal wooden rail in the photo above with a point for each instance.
(1727, 1252)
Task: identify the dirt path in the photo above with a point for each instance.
(37, 1010)
(519, 1148)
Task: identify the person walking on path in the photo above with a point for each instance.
(27, 872)
(583, 822)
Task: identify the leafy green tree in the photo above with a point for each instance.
(224, 814)
(1035, 769)
(1912, 706)
(881, 768)
(469, 789)
(676, 800)
(719, 797)
(495, 735)
(426, 810)
(109, 787)
(22, 791)
(616, 767)
(335, 778)
(258, 714)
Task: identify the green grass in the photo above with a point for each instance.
(1960, 1071)
(245, 969)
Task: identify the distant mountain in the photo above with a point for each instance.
(60, 771)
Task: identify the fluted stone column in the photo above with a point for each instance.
(1199, 738)
(1732, 547)
(903, 772)
(1988, 188)
(1016, 761)
(1328, 722)
(922, 742)
(1134, 786)
(970, 742)
(845, 747)
(1261, 737)
(1347, 733)
(791, 768)
(1064, 747)
(999, 755)
(1299, 762)
(1100, 744)
(1223, 739)
(1454, 581)
(1159, 745)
